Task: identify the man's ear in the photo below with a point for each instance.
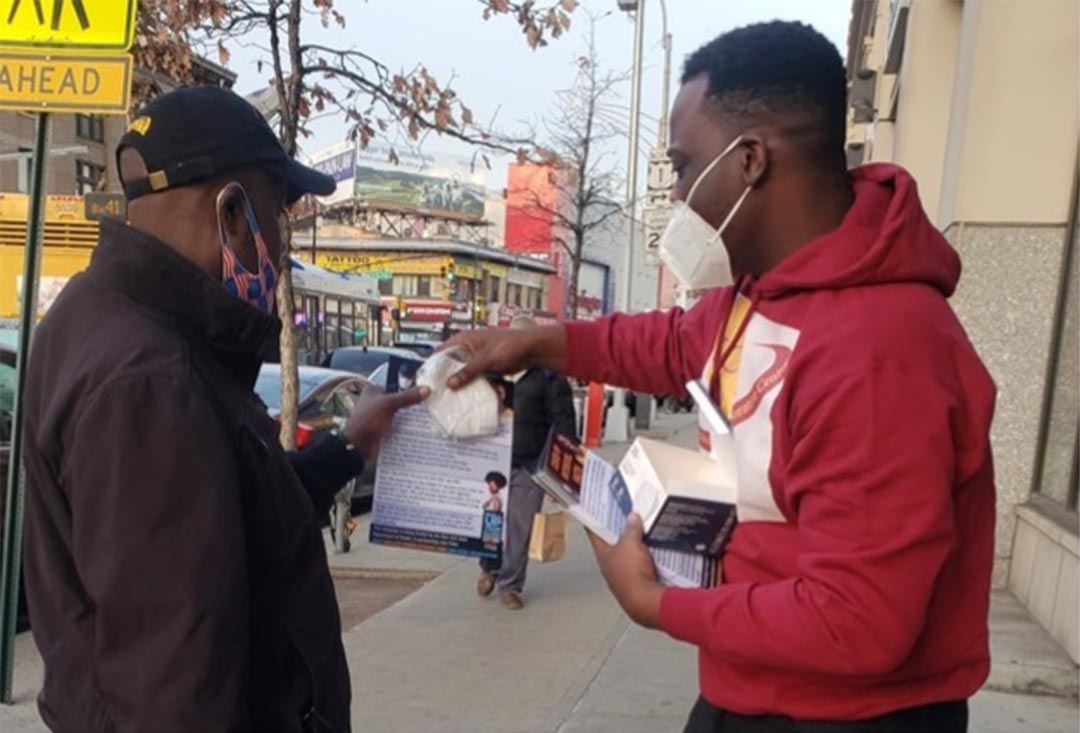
(230, 205)
(753, 159)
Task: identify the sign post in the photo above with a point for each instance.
(657, 202)
(63, 56)
(9, 576)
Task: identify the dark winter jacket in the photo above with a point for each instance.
(174, 564)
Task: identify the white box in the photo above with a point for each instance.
(685, 498)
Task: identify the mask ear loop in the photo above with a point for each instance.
(217, 211)
(734, 209)
(710, 166)
(249, 212)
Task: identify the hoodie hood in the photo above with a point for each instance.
(885, 238)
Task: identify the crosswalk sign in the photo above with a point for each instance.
(104, 25)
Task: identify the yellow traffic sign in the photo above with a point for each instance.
(53, 82)
(68, 24)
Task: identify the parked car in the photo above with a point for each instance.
(9, 340)
(409, 366)
(421, 348)
(327, 398)
(363, 360)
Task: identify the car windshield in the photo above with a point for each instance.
(378, 377)
(422, 348)
(358, 361)
(268, 386)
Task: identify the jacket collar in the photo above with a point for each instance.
(155, 275)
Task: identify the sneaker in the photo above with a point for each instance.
(511, 600)
(485, 584)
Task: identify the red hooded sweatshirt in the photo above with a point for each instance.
(857, 581)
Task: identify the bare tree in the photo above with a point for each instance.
(581, 172)
(311, 78)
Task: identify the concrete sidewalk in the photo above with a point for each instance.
(444, 660)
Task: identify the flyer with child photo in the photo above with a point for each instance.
(441, 494)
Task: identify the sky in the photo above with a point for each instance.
(500, 78)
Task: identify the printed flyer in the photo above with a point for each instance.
(439, 494)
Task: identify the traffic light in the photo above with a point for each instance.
(447, 272)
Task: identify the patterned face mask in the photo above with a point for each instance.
(258, 288)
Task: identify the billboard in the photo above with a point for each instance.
(446, 183)
(338, 162)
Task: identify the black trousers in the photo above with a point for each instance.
(944, 717)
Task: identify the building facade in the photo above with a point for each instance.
(431, 288)
(979, 100)
(534, 195)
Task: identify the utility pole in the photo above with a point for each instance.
(658, 197)
(618, 419)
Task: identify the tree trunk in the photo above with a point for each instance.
(290, 375)
(575, 271)
(288, 102)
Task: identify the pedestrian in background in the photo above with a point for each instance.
(542, 401)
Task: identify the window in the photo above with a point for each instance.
(90, 127)
(406, 285)
(1057, 471)
(332, 324)
(513, 294)
(344, 399)
(26, 169)
(464, 288)
(87, 176)
(493, 289)
(386, 286)
(423, 286)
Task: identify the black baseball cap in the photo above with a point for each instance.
(196, 133)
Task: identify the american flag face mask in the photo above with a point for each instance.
(254, 288)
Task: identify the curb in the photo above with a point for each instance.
(422, 576)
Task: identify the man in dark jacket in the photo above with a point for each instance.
(174, 565)
(542, 400)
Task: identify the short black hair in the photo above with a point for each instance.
(496, 478)
(780, 67)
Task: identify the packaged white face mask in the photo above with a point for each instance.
(470, 412)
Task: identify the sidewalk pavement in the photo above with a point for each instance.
(444, 660)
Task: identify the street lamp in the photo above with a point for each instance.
(618, 423)
(662, 122)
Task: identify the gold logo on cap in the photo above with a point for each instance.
(140, 125)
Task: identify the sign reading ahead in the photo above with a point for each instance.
(47, 82)
(101, 25)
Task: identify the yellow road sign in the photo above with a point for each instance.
(52, 82)
(70, 24)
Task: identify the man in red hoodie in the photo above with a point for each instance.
(856, 585)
